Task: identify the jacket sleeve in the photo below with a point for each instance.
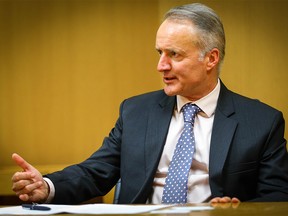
(273, 172)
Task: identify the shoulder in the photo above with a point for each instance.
(147, 99)
(250, 104)
(245, 108)
(159, 94)
(142, 104)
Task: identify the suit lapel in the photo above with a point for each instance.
(222, 134)
(157, 129)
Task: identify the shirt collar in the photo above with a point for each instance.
(207, 103)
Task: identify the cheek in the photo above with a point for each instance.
(195, 72)
(189, 70)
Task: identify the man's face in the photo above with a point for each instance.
(184, 72)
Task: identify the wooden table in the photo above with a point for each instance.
(248, 209)
(242, 209)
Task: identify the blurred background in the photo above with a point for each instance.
(66, 65)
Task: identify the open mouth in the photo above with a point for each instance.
(168, 79)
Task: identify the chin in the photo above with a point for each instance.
(169, 92)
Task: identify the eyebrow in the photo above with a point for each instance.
(177, 50)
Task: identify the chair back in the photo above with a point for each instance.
(117, 192)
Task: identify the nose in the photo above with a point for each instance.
(164, 63)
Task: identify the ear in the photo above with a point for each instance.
(212, 59)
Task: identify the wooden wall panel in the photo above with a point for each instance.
(65, 66)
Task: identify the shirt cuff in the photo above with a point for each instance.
(51, 190)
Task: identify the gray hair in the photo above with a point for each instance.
(209, 26)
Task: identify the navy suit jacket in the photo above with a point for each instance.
(248, 155)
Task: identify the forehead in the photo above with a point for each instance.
(174, 32)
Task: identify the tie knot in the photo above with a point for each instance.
(189, 112)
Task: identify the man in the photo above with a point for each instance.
(240, 152)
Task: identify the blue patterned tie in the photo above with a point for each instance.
(175, 189)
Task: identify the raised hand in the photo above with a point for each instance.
(29, 184)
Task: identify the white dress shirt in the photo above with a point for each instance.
(198, 180)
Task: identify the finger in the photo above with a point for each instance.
(225, 199)
(235, 203)
(215, 200)
(29, 188)
(235, 200)
(27, 198)
(18, 176)
(20, 185)
(24, 197)
(21, 162)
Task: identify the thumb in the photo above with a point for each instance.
(21, 162)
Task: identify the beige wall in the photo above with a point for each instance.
(66, 65)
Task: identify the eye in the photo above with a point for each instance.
(174, 54)
(159, 51)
